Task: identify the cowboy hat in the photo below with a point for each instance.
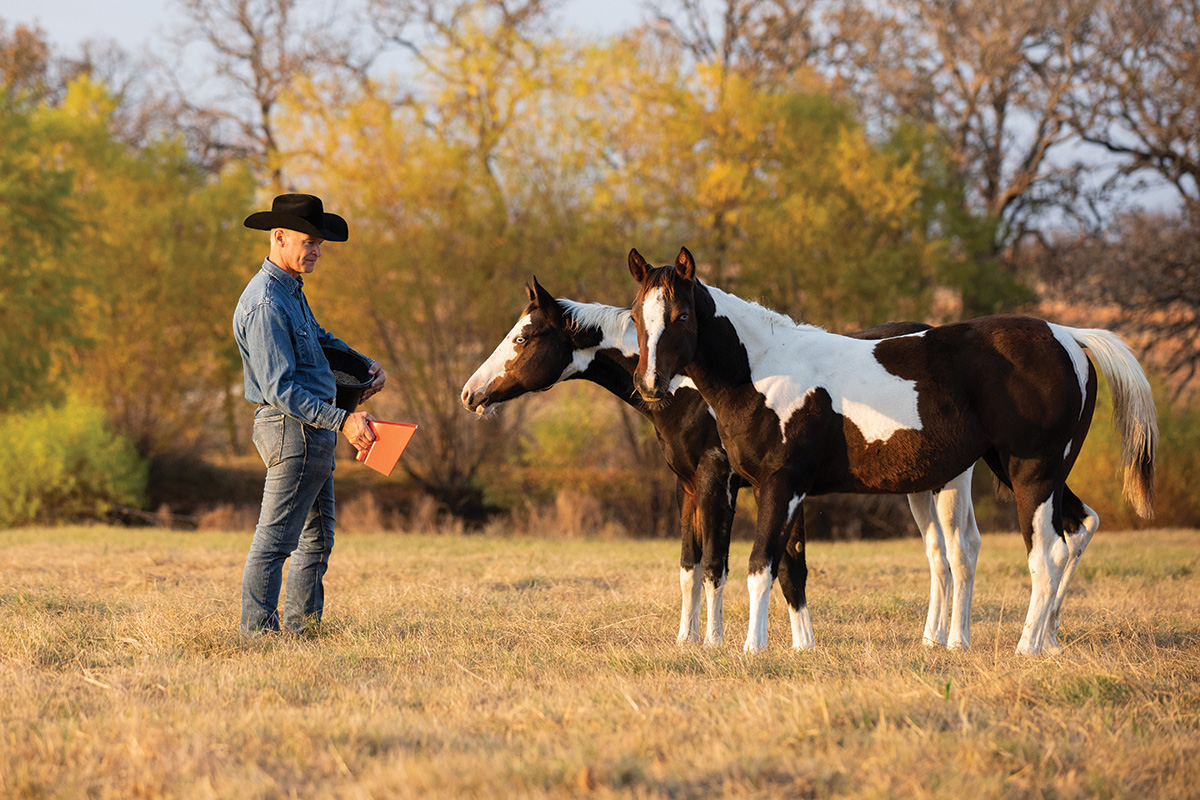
(300, 212)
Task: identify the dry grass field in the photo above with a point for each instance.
(459, 666)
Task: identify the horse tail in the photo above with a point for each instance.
(1133, 412)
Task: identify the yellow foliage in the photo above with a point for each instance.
(882, 189)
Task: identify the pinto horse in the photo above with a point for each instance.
(555, 340)
(801, 412)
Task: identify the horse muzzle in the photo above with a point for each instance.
(651, 391)
(475, 400)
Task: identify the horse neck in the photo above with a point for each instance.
(722, 360)
(606, 347)
(613, 326)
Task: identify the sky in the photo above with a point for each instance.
(135, 24)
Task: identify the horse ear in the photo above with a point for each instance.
(548, 305)
(529, 292)
(685, 265)
(637, 266)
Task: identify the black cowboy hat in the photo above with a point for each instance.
(300, 212)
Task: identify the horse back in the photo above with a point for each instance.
(1014, 377)
(1004, 382)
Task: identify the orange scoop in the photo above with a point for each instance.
(390, 440)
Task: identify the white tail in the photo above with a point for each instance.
(1133, 412)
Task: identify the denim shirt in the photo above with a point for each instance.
(281, 343)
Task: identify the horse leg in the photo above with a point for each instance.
(793, 580)
(689, 566)
(717, 510)
(778, 502)
(956, 513)
(1039, 508)
(924, 510)
(1080, 523)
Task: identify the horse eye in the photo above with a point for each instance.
(519, 340)
(683, 317)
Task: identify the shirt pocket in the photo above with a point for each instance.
(307, 348)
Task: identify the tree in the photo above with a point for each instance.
(763, 40)
(1144, 273)
(256, 50)
(1140, 94)
(993, 78)
(31, 67)
(775, 185)
(37, 227)
(26, 66)
(485, 59)
(424, 185)
(154, 289)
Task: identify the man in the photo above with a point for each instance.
(296, 424)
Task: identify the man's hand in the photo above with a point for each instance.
(358, 431)
(377, 380)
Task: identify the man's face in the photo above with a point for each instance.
(298, 252)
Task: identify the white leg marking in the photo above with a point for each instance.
(924, 510)
(1046, 559)
(957, 515)
(802, 633)
(1077, 541)
(689, 616)
(715, 593)
(759, 586)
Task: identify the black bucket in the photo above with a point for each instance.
(353, 375)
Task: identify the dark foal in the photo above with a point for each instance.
(556, 340)
(801, 411)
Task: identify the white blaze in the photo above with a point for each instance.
(654, 319)
(494, 367)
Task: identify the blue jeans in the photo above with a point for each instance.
(296, 520)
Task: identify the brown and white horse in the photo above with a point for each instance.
(801, 412)
(556, 340)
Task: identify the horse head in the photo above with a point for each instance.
(664, 313)
(532, 357)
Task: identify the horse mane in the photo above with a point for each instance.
(768, 317)
(609, 320)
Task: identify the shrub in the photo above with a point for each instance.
(63, 463)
